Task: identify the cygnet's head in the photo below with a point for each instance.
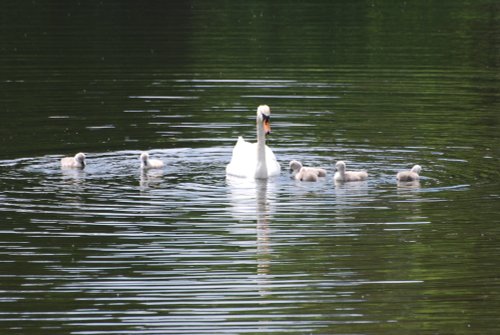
(144, 157)
(295, 166)
(416, 168)
(263, 115)
(80, 158)
(340, 166)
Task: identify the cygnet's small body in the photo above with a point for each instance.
(410, 175)
(341, 175)
(147, 163)
(76, 162)
(305, 173)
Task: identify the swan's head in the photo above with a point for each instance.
(263, 115)
(295, 166)
(416, 169)
(80, 158)
(144, 157)
(340, 166)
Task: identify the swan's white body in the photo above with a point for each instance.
(305, 173)
(341, 175)
(411, 175)
(147, 163)
(76, 162)
(255, 160)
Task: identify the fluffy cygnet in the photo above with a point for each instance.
(76, 162)
(305, 173)
(341, 175)
(147, 163)
(409, 175)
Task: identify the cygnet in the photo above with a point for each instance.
(305, 173)
(341, 175)
(76, 162)
(409, 175)
(147, 163)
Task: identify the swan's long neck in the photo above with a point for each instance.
(261, 170)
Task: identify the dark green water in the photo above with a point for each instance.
(382, 85)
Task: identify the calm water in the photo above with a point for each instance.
(381, 85)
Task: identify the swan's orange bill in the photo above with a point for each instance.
(267, 126)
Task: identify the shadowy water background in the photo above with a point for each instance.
(382, 85)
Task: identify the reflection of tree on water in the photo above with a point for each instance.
(250, 201)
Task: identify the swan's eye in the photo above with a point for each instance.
(265, 117)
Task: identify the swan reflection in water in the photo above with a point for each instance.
(408, 184)
(409, 202)
(72, 186)
(253, 200)
(150, 178)
(351, 194)
(73, 177)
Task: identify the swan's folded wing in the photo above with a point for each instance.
(318, 171)
(241, 150)
(243, 160)
(68, 162)
(273, 167)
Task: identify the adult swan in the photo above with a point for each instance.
(255, 160)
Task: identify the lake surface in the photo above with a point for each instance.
(379, 84)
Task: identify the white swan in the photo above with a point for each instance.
(76, 162)
(411, 175)
(305, 173)
(255, 160)
(147, 163)
(341, 175)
